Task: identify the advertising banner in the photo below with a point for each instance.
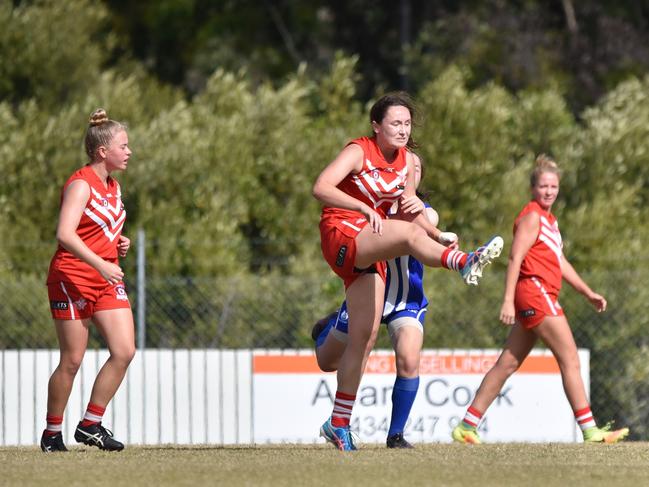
(292, 398)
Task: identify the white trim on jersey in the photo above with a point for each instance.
(109, 218)
(393, 289)
(552, 245)
(382, 198)
(393, 286)
(374, 182)
(107, 214)
(383, 192)
(550, 236)
(118, 203)
(102, 224)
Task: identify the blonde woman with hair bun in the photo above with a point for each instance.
(85, 284)
(537, 266)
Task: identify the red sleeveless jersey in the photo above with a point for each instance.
(100, 227)
(379, 184)
(543, 260)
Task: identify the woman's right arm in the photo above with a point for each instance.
(524, 237)
(74, 201)
(350, 160)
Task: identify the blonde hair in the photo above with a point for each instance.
(542, 165)
(101, 131)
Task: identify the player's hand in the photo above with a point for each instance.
(411, 204)
(598, 302)
(111, 272)
(508, 313)
(123, 245)
(374, 219)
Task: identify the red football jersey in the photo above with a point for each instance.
(543, 260)
(379, 184)
(100, 227)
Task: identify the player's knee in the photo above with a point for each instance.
(415, 234)
(123, 356)
(372, 335)
(327, 365)
(570, 363)
(407, 366)
(507, 366)
(70, 364)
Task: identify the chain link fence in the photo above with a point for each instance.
(276, 311)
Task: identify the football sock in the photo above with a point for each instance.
(342, 412)
(584, 418)
(93, 415)
(54, 424)
(453, 259)
(403, 396)
(472, 418)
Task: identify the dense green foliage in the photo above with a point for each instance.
(221, 182)
(583, 48)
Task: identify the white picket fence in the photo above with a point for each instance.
(169, 396)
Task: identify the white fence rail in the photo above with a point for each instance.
(168, 396)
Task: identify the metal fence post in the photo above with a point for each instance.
(141, 289)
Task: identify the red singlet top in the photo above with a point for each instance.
(543, 260)
(379, 184)
(100, 227)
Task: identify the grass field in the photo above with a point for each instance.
(509, 464)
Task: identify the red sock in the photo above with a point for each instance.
(93, 415)
(472, 417)
(342, 412)
(453, 259)
(54, 424)
(585, 418)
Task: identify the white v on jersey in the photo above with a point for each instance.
(109, 217)
(404, 287)
(99, 227)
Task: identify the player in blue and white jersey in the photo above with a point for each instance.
(403, 313)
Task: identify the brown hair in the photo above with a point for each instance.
(101, 131)
(542, 165)
(422, 195)
(394, 99)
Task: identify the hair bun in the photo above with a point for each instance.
(98, 117)
(545, 162)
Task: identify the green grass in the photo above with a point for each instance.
(511, 464)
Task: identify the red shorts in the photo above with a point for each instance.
(533, 302)
(338, 242)
(69, 301)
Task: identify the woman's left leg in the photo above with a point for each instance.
(557, 335)
(407, 340)
(117, 328)
(365, 307)
(520, 342)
